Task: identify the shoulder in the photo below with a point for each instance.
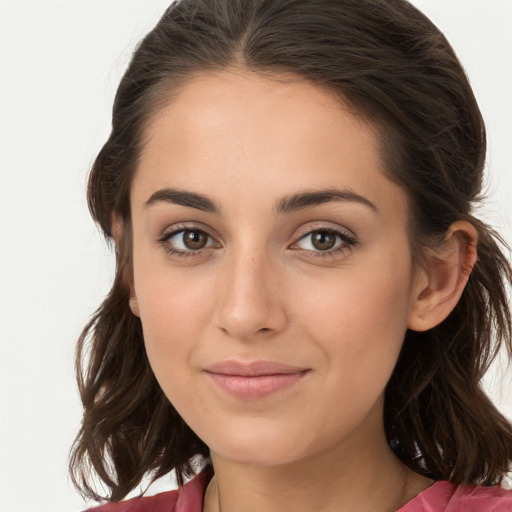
(481, 499)
(188, 498)
(165, 501)
(447, 497)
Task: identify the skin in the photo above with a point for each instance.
(261, 290)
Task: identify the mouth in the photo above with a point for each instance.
(254, 380)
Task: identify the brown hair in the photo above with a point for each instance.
(394, 68)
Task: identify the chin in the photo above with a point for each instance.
(254, 446)
(258, 456)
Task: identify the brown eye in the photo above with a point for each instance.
(187, 241)
(323, 240)
(326, 241)
(194, 240)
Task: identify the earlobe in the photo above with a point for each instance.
(116, 229)
(134, 305)
(440, 284)
(117, 232)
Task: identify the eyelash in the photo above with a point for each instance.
(164, 241)
(347, 242)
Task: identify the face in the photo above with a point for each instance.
(272, 270)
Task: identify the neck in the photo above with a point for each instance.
(351, 477)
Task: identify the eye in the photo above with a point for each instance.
(325, 240)
(186, 242)
(191, 239)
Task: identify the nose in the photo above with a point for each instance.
(250, 301)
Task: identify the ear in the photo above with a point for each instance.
(116, 228)
(439, 285)
(117, 232)
(134, 305)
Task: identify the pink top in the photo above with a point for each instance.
(447, 497)
(440, 497)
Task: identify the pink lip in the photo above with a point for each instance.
(257, 379)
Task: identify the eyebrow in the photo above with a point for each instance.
(288, 204)
(183, 198)
(314, 198)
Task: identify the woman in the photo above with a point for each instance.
(303, 296)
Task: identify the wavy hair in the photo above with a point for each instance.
(395, 69)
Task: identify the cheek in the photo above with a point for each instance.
(358, 325)
(174, 312)
(360, 318)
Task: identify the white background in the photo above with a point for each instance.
(60, 62)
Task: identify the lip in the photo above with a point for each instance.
(254, 380)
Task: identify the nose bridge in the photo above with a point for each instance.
(249, 302)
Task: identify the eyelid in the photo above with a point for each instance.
(348, 239)
(175, 229)
(326, 226)
(187, 226)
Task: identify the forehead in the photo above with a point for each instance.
(236, 98)
(262, 136)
